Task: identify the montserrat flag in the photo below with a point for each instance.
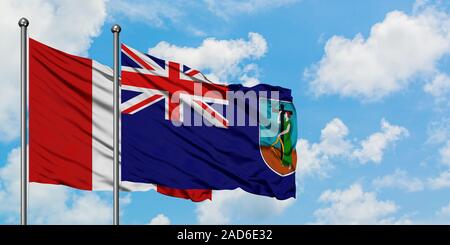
(71, 124)
(181, 130)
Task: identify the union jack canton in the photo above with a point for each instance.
(155, 79)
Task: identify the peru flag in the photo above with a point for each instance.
(71, 124)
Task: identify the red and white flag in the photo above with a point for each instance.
(71, 124)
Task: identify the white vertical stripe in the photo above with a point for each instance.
(102, 127)
(102, 132)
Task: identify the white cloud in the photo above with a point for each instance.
(399, 179)
(439, 134)
(445, 153)
(250, 75)
(229, 8)
(311, 160)
(49, 204)
(160, 219)
(439, 131)
(444, 211)
(354, 206)
(86, 208)
(232, 206)
(373, 147)
(223, 58)
(332, 138)
(397, 49)
(442, 181)
(314, 158)
(439, 86)
(249, 81)
(67, 25)
(9, 183)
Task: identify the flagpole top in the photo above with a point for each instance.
(116, 28)
(24, 22)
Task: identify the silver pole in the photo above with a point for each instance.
(116, 30)
(23, 23)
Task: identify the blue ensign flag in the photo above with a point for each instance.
(182, 131)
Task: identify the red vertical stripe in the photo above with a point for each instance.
(60, 117)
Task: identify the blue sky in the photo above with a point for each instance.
(370, 80)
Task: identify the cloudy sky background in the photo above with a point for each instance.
(370, 80)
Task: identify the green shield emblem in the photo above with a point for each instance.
(278, 135)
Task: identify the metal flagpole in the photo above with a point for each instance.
(116, 30)
(23, 23)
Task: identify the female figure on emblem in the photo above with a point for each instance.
(284, 138)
